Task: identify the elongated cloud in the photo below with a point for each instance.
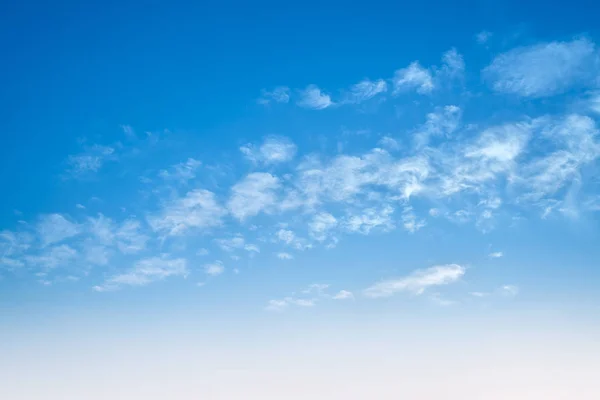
(544, 69)
(146, 271)
(417, 282)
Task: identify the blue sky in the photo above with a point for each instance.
(273, 166)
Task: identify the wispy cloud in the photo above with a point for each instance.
(53, 257)
(308, 297)
(89, 161)
(509, 290)
(181, 172)
(496, 254)
(54, 228)
(214, 269)
(280, 94)
(371, 218)
(413, 77)
(253, 194)
(544, 69)
(343, 295)
(417, 282)
(364, 90)
(483, 37)
(198, 209)
(453, 64)
(410, 221)
(284, 256)
(146, 271)
(273, 150)
(312, 97)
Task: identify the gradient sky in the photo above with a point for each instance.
(320, 200)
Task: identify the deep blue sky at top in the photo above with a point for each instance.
(75, 70)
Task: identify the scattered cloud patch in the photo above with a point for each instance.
(364, 90)
(483, 37)
(254, 194)
(413, 77)
(544, 69)
(274, 150)
(313, 98)
(284, 256)
(417, 282)
(280, 94)
(343, 295)
(198, 210)
(214, 269)
(54, 228)
(146, 271)
(182, 172)
(509, 290)
(89, 161)
(368, 219)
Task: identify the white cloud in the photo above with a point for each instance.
(277, 305)
(128, 131)
(53, 257)
(289, 238)
(231, 244)
(102, 228)
(544, 69)
(321, 224)
(255, 193)
(80, 206)
(389, 143)
(12, 247)
(202, 252)
(197, 210)
(410, 221)
(286, 236)
(11, 263)
(96, 254)
(483, 37)
(413, 77)
(575, 144)
(493, 154)
(496, 254)
(129, 239)
(181, 172)
(417, 282)
(594, 102)
(453, 64)
(54, 228)
(317, 288)
(441, 123)
(214, 269)
(312, 97)
(252, 248)
(89, 161)
(509, 290)
(281, 94)
(370, 218)
(284, 256)
(146, 271)
(364, 90)
(343, 295)
(301, 302)
(274, 149)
